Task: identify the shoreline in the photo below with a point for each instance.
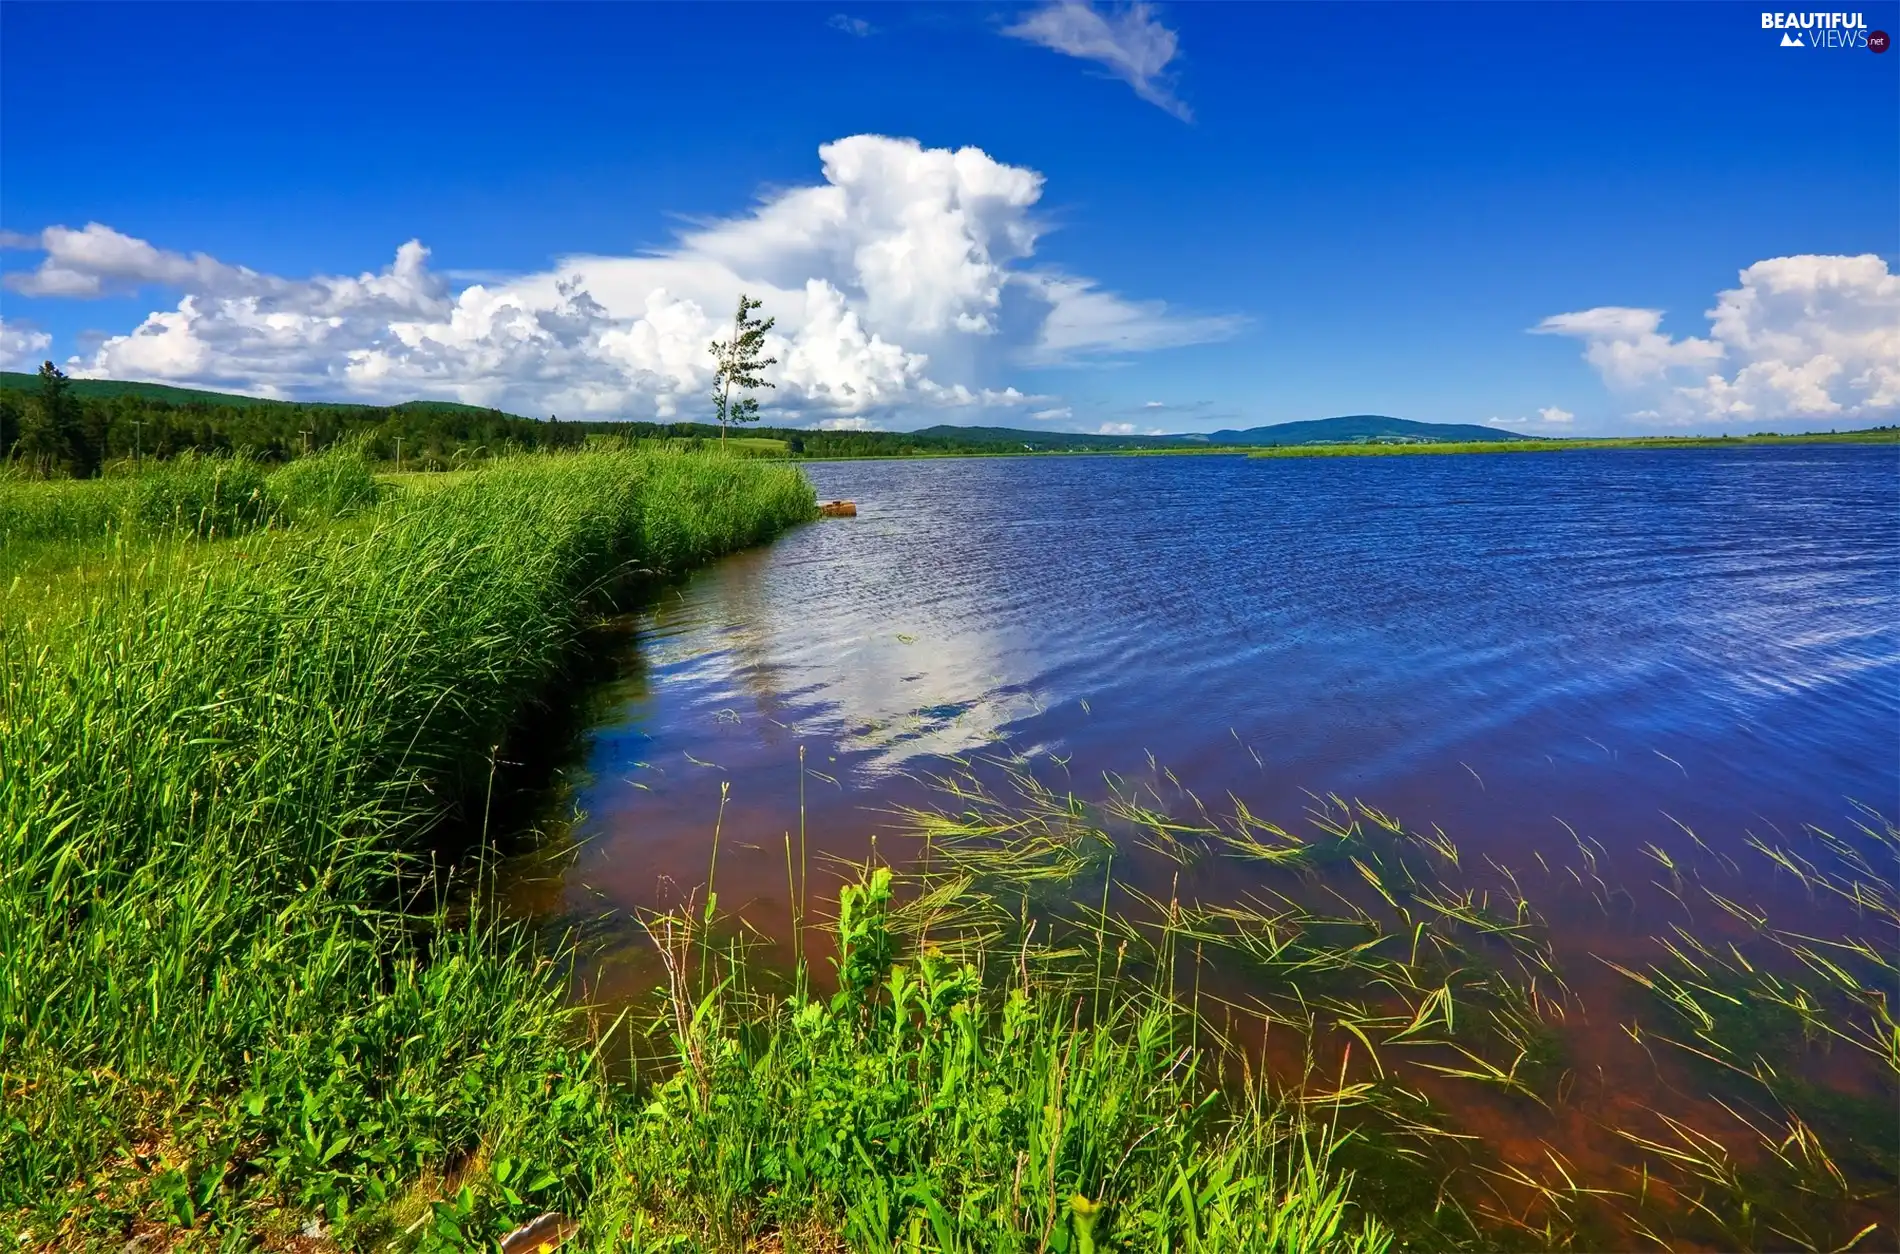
(1270, 452)
(1876, 437)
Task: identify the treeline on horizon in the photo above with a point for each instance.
(56, 427)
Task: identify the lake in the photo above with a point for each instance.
(1614, 651)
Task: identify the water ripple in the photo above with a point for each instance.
(1553, 625)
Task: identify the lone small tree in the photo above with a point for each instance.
(737, 364)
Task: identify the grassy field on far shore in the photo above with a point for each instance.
(1881, 435)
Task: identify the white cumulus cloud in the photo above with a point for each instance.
(1548, 416)
(22, 348)
(1130, 42)
(898, 281)
(98, 261)
(1805, 337)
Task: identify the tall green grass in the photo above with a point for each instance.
(193, 495)
(205, 497)
(36, 511)
(335, 483)
(930, 1104)
(222, 769)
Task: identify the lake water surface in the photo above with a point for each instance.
(1527, 651)
(1483, 642)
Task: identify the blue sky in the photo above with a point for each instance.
(1174, 217)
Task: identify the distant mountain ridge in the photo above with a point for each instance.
(1347, 429)
(1352, 428)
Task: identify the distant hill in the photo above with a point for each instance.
(105, 389)
(1350, 429)
(1353, 428)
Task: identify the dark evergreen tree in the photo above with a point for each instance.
(45, 445)
(10, 408)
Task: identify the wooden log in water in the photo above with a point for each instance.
(838, 509)
(542, 1235)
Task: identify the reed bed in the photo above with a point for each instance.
(231, 989)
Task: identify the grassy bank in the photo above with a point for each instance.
(1883, 435)
(226, 976)
(249, 727)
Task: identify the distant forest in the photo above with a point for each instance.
(57, 426)
(52, 425)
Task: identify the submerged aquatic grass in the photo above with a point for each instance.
(1417, 987)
